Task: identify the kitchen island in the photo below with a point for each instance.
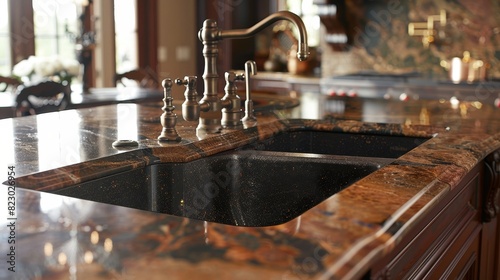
(362, 231)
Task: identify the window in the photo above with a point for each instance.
(51, 19)
(308, 12)
(50, 27)
(125, 35)
(55, 22)
(5, 63)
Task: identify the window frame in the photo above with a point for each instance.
(22, 32)
(22, 36)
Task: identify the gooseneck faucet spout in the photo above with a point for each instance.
(210, 35)
(303, 49)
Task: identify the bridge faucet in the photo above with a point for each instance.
(210, 107)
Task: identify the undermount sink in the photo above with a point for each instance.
(266, 183)
(244, 188)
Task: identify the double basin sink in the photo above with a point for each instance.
(265, 183)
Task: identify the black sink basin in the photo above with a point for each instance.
(265, 183)
(244, 188)
(332, 143)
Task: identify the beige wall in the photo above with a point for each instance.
(105, 31)
(177, 40)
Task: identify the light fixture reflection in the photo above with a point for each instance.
(94, 237)
(456, 70)
(48, 249)
(108, 245)
(88, 257)
(454, 102)
(62, 259)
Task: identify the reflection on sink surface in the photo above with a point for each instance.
(245, 188)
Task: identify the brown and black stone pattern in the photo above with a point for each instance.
(341, 236)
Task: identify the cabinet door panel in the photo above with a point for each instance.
(461, 259)
(489, 250)
(490, 247)
(446, 241)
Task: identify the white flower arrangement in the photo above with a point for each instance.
(35, 69)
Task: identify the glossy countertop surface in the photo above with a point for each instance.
(57, 236)
(94, 97)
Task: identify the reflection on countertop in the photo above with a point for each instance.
(95, 97)
(453, 114)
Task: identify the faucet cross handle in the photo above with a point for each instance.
(249, 119)
(232, 77)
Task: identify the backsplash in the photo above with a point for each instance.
(382, 42)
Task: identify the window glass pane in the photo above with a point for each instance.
(45, 46)
(66, 48)
(308, 7)
(307, 11)
(4, 17)
(5, 64)
(126, 52)
(44, 17)
(313, 24)
(294, 6)
(54, 20)
(125, 16)
(51, 19)
(67, 16)
(125, 35)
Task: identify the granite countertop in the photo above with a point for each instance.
(57, 236)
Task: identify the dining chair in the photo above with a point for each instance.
(143, 78)
(9, 82)
(48, 96)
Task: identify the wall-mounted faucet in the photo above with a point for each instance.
(209, 110)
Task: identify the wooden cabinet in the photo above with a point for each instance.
(458, 239)
(490, 244)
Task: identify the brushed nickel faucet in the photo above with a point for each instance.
(213, 113)
(210, 35)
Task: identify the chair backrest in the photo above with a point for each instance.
(44, 97)
(142, 77)
(6, 82)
